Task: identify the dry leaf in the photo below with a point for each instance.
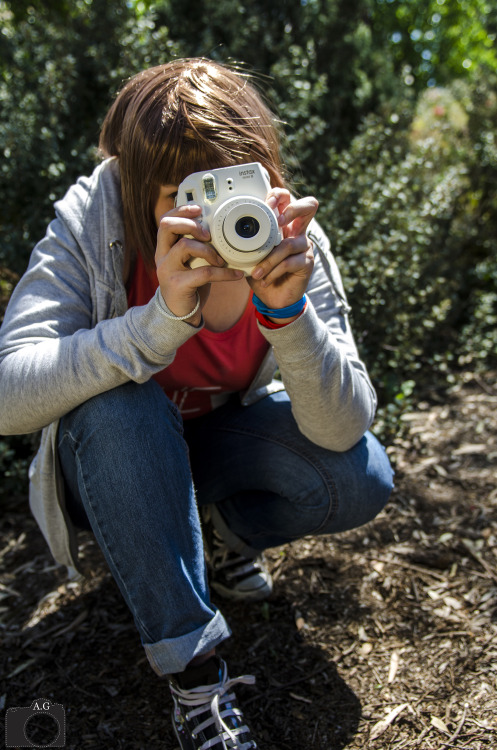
(440, 725)
(382, 725)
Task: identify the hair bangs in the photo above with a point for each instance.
(170, 121)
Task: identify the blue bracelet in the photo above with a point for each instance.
(282, 312)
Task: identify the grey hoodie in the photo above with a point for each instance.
(68, 335)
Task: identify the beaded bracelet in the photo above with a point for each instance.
(167, 312)
(281, 312)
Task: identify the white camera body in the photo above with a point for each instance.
(243, 228)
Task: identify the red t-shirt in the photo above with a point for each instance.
(209, 365)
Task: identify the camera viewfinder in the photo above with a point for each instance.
(210, 191)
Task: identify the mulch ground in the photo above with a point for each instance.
(381, 638)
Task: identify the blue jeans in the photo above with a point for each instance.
(134, 474)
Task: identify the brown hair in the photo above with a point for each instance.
(178, 118)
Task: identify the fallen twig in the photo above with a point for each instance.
(458, 730)
(283, 685)
(410, 566)
(57, 630)
(474, 553)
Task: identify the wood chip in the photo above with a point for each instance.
(300, 698)
(394, 665)
(470, 448)
(299, 620)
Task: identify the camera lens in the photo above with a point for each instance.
(247, 227)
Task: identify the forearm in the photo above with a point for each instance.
(332, 397)
(39, 382)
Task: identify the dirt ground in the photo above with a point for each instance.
(381, 638)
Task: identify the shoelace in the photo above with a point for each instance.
(216, 695)
(243, 568)
(223, 557)
(221, 554)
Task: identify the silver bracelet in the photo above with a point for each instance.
(167, 312)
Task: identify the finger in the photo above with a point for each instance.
(180, 221)
(187, 281)
(300, 264)
(299, 214)
(278, 199)
(203, 275)
(184, 250)
(187, 211)
(289, 246)
(180, 287)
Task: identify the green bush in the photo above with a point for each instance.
(58, 71)
(435, 42)
(412, 213)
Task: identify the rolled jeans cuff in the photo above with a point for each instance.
(172, 655)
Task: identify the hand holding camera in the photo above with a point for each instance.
(243, 228)
(180, 239)
(229, 223)
(282, 277)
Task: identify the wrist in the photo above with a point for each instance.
(275, 323)
(283, 315)
(174, 314)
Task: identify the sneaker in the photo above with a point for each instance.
(206, 714)
(231, 574)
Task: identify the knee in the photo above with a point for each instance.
(362, 485)
(131, 406)
(378, 477)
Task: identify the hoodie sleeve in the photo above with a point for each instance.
(53, 356)
(332, 397)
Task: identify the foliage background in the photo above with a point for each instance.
(389, 109)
